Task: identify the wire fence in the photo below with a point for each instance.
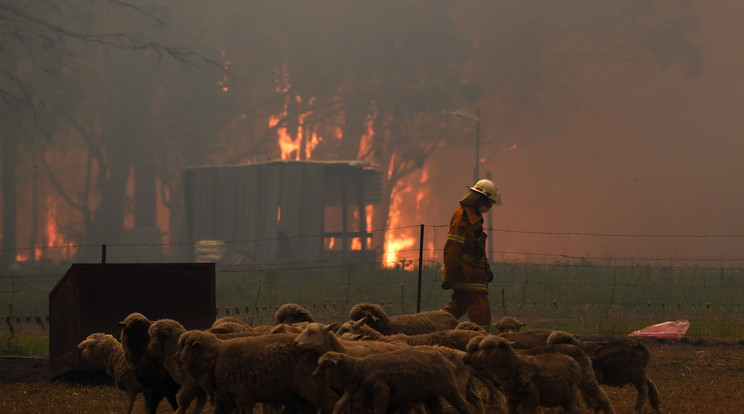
(592, 295)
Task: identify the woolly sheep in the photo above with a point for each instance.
(526, 339)
(164, 334)
(547, 379)
(451, 338)
(156, 382)
(291, 313)
(508, 324)
(104, 349)
(240, 372)
(229, 325)
(319, 338)
(470, 326)
(406, 375)
(618, 362)
(411, 324)
(594, 396)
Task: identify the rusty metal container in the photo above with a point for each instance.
(95, 297)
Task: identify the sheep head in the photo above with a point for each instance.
(327, 364)
(292, 313)
(508, 324)
(562, 337)
(134, 336)
(163, 335)
(96, 347)
(315, 337)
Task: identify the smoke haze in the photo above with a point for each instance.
(611, 129)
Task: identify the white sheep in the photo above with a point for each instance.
(241, 372)
(156, 382)
(411, 324)
(163, 345)
(547, 379)
(402, 376)
(618, 362)
(103, 349)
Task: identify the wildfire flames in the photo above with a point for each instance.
(56, 246)
(301, 146)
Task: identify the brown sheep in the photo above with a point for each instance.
(451, 338)
(156, 382)
(527, 339)
(547, 379)
(403, 376)
(618, 362)
(410, 324)
(291, 313)
(470, 326)
(508, 324)
(241, 372)
(164, 334)
(104, 349)
(595, 397)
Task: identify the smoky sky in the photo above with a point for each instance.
(607, 137)
(652, 152)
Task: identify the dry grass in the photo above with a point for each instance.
(691, 378)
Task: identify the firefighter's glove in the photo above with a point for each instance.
(490, 276)
(447, 284)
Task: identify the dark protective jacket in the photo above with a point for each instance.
(466, 266)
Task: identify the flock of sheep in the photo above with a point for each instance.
(372, 363)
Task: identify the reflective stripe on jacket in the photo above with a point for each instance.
(465, 262)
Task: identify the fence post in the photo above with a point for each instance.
(421, 261)
(103, 254)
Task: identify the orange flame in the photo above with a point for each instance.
(55, 238)
(400, 241)
(395, 242)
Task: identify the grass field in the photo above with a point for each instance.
(699, 377)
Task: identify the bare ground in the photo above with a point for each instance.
(692, 377)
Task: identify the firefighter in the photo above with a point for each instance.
(466, 268)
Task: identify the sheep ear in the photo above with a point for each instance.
(333, 327)
(329, 328)
(358, 323)
(122, 324)
(85, 343)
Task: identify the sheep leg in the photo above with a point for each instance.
(653, 396)
(456, 399)
(186, 395)
(474, 399)
(132, 397)
(642, 388)
(342, 402)
(596, 398)
(380, 399)
(152, 400)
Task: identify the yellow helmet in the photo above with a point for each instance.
(488, 189)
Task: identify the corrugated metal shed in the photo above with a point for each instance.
(280, 209)
(96, 297)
